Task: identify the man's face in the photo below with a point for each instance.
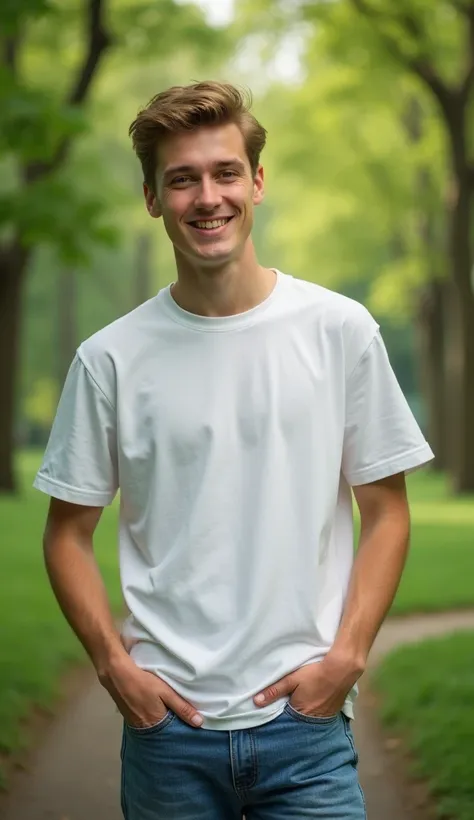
(206, 193)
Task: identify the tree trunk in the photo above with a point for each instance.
(13, 256)
(13, 263)
(430, 336)
(67, 321)
(461, 340)
(143, 272)
(460, 389)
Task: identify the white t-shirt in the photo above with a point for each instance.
(234, 442)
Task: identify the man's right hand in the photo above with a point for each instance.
(143, 698)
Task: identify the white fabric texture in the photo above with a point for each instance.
(234, 442)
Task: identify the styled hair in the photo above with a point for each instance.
(186, 108)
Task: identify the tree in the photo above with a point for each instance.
(44, 133)
(406, 32)
(43, 119)
(428, 50)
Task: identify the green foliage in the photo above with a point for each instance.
(15, 13)
(38, 120)
(52, 210)
(165, 28)
(360, 188)
(34, 123)
(88, 213)
(41, 402)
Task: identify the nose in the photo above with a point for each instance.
(208, 197)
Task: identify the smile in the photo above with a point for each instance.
(211, 225)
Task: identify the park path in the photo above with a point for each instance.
(74, 774)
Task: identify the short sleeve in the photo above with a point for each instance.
(80, 462)
(381, 436)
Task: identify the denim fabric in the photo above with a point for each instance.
(295, 766)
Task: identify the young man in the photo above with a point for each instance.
(235, 411)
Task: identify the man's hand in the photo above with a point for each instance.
(318, 689)
(143, 698)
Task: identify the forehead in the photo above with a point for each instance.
(201, 148)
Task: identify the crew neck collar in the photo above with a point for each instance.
(219, 323)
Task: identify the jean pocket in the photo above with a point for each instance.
(156, 727)
(293, 713)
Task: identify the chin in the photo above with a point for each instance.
(218, 257)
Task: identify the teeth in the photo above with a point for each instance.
(216, 223)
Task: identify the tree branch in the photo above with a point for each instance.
(471, 176)
(11, 46)
(98, 40)
(463, 7)
(420, 65)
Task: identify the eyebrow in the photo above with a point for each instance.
(186, 169)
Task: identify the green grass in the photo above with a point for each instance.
(37, 644)
(427, 698)
(440, 566)
(427, 689)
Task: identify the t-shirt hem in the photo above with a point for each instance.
(257, 719)
(74, 495)
(404, 463)
(244, 722)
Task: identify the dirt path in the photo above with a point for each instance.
(74, 774)
(388, 796)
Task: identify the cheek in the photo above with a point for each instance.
(176, 205)
(243, 199)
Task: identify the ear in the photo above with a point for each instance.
(151, 202)
(258, 186)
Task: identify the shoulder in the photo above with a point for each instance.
(118, 344)
(344, 321)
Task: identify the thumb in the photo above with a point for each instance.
(181, 707)
(276, 691)
(185, 711)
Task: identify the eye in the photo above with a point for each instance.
(180, 180)
(228, 174)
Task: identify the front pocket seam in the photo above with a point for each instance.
(290, 710)
(157, 727)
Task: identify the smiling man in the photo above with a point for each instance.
(236, 411)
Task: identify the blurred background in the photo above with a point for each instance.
(369, 107)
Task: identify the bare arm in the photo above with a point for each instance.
(378, 566)
(77, 582)
(79, 589)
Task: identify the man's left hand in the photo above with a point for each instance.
(318, 689)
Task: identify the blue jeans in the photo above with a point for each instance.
(295, 766)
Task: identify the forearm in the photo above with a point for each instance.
(375, 577)
(78, 586)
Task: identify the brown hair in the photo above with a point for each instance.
(185, 108)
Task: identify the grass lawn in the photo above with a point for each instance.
(427, 689)
(440, 568)
(37, 644)
(427, 694)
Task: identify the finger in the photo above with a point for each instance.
(276, 691)
(182, 708)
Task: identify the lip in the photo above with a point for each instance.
(212, 232)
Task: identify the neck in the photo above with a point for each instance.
(233, 288)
